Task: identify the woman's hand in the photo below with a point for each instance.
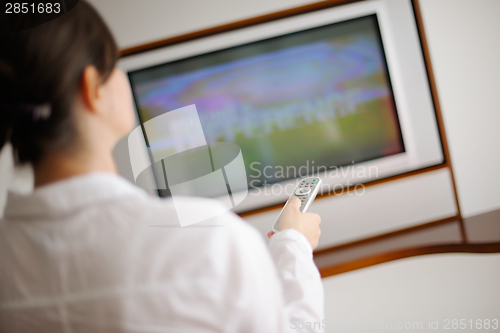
(305, 223)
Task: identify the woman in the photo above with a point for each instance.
(79, 255)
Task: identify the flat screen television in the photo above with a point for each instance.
(340, 93)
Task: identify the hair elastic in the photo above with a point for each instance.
(39, 111)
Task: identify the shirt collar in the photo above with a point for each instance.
(69, 195)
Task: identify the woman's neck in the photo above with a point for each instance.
(59, 166)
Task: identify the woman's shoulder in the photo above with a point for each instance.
(209, 245)
(185, 219)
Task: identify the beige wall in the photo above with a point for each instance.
(420, 289)
(464, 46)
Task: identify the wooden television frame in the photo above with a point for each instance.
(330, 267)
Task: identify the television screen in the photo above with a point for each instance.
(320, 97)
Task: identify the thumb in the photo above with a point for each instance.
(293, 204)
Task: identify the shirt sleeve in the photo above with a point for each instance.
(278, 287)
(301, 281)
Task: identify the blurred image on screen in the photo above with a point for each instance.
(317, 97)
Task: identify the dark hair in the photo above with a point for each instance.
(43, 66)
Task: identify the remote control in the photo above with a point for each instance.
(306, 191)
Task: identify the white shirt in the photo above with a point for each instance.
(97, 254)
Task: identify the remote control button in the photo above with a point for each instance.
(302, 191)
